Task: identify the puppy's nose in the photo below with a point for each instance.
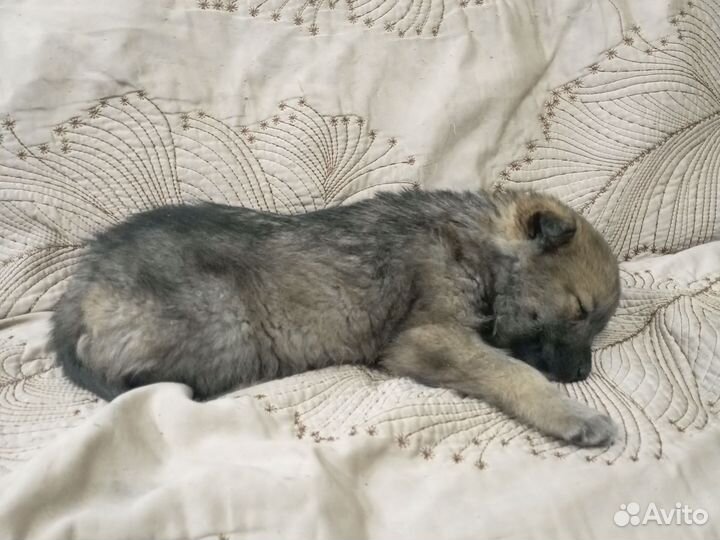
(583, 371)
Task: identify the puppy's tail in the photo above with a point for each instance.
(68, 334)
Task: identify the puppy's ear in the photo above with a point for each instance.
(550, 230)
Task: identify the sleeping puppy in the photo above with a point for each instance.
(490, 295)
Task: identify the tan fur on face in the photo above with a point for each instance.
(586, 266)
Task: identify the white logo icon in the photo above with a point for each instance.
(680, 514)
(628, 513)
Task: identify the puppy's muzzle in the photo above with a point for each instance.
(568, 364)
(559, 362)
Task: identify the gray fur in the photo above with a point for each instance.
(443, 287)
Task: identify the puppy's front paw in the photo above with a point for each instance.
(587, 427)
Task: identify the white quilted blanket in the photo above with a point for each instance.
(109, 108)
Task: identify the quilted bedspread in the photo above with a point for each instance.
(110, 108)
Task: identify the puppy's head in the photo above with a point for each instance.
(559, 290)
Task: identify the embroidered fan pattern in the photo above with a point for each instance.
(656, 372)
(36, 403)
(634, 144)
(399, 17)
(125, 155)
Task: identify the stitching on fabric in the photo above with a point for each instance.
(637, 139)
(125, 155)
(399, 17)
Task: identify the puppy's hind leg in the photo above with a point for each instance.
(70, 339)
(455, 357)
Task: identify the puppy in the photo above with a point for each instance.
(488, 295)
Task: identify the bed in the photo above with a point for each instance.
(111, 108)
